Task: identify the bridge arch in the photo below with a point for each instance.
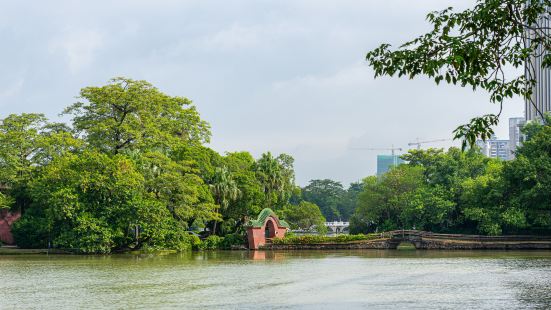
(270, 228)
(405, 237)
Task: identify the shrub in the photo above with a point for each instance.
(231, 240)
(216, 242)
(211, 243)
(30, 232)
(179, 240)
(316, 239)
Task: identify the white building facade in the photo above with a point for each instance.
(495, 148)
(540, 101)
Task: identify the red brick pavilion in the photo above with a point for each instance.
(266, 227)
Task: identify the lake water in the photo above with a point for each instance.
(280, 280)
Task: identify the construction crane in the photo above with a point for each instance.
(392, 149)
(418, 143)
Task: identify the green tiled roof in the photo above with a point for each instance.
(264, 214)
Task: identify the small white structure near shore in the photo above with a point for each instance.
(337, 227)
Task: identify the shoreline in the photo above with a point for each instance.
(392, 240)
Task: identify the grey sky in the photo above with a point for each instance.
(284, 76)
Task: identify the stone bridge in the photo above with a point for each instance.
(423, 240)
(429, 240)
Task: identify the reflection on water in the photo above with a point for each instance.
(300, 279)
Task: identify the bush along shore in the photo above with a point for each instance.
(317, 239)
(322, 242)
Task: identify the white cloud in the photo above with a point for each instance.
(78, 48)
(239, 37)
(352, 76)
(236, 37)
(11, 90)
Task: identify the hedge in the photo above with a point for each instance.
(317, 239)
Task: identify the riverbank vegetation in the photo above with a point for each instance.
(463, 192)
(132, 171)
(320, 239)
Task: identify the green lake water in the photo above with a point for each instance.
(279, 280)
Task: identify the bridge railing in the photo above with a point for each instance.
(425, 234)
(337, 224)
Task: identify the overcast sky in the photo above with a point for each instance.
(280, 76)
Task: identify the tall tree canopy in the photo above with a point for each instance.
(475, 48)
(27, 143)
(224, 188)
(335, 202)
(528, 179)
(251, 199)
(128, 115)
(305, 216)
(328, 195)
(277, 177)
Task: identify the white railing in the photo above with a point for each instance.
(337, 224)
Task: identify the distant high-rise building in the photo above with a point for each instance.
(495, 148)
(386, 162)
(515, 135)
(541, 93)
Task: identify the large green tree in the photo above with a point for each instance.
(328, 195)
(482, 203)
(129, 115)
(177, 185)
(479, 48)
(335, 202)
(305, 216)
(20, 141)
(349, 203)
(383, 203)
(528, 180)
(27, 143)
(252, 196)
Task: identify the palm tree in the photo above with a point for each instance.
(276, 176)
(224, 189)
(269, 174)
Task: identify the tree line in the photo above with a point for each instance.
(463, 192)
(451, 191)
(131, 171)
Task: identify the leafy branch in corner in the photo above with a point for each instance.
(476, 48)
